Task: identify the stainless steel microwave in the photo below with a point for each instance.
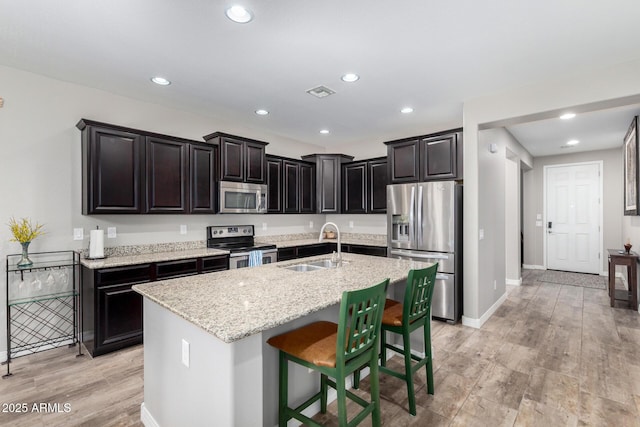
(239, 197)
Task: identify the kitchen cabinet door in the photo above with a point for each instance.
(354, 178)
(377, 185)
(202, 180)
(255, 162)
(274, 185)
(167, 179)
(232, 153)
(307, 191)
(291, 173)
(111, 170)
(439, 157)
(404, 161)
(120, 317)
(328, 181)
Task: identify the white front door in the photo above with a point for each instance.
(573, 217)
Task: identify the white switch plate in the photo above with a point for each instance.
(78, 233)
(538, 223)
(350, 224)
(310, 224)
(183, 229)
(185, 353)
(481, 234)
(538, 216)
(264, 225)
(111, 232)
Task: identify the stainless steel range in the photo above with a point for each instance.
(238, 240)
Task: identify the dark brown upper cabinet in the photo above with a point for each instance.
(378, 178)
(307, 188)
(274, 184)
(426, 158)
(291, 185)
(328, 181)
(354, 193)
(241, 159)
(203, 161)
(167, 177)
(111, 169)
(365, 186)
(129, 171)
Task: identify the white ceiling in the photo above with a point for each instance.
(431, 55)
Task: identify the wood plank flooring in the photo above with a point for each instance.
(551, 355)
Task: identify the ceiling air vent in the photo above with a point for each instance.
(320, 92)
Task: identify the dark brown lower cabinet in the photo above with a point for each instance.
(112, 311)
(293, 252)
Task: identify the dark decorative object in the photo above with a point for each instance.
(630, 148)
(627, 248)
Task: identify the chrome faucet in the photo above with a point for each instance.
(339, 259)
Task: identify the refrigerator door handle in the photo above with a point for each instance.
(419, 223)
(419, 255)
(412, 208)
(441, 276)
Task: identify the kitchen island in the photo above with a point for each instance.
(222, 321)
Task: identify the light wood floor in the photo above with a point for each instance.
(551, 355)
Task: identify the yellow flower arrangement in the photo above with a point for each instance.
(23, 231)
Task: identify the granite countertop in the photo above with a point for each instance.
(117, 261)
(234, 304)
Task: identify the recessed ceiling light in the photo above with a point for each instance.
(568, 116)
(406, 110)
(160, 81)
(573, 142)
(324, 131)
(350, 77)
(239, 14)
(262, 112)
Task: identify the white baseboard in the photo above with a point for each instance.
(534, 267)
(477, 323)
(146, 417)
(515, 282)
(3, 356)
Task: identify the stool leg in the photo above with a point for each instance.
(375, 391)
(406, 339)
(428, 355)
(323, 393)
(356, 379)
(342, 398)
(383, 347)
(283, 391)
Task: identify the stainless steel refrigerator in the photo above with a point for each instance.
(424, 223)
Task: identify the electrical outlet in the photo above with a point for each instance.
(264, 226)
(310, 224)
(185, 353)
(78, 233)
(111, 232)
(481, 234)
(183, 229)
(350, 224)
(495, 285)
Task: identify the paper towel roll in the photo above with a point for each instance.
(96, 244)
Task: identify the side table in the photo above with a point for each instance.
(631, 262)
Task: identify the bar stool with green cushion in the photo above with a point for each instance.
(403, 318)
(336, 350)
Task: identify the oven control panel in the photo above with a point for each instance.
(222, 231)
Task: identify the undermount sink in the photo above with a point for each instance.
(320, 264)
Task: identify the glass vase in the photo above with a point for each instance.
(25, 261)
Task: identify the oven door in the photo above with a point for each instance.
(241, 259)
(238, 197)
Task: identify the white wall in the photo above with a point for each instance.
(582, 90)
(611, 202)
(512, 220)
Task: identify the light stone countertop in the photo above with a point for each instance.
(234, 304)
(117, 261)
